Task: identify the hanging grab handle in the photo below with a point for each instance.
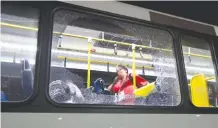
(140, 52)
(115, 49)
(59, 40)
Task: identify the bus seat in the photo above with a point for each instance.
(26, 78)
(98, 85)
(199, 91)
(3, 96)
(145, 90)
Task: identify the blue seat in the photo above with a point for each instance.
(3, 96)
(98, 85)
(26, 78)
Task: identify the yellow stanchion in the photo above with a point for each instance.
(133, 66)
(98, 39)
(89, 64)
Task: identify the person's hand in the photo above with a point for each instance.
(157, 87)
(109, 87)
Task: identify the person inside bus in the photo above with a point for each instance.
(123, 87)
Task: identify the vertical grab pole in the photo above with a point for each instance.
(89, 58)
(133, 66)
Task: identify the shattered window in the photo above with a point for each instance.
(97, 60)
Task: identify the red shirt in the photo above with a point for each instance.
(125, 90)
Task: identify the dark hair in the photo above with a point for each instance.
(123, 67)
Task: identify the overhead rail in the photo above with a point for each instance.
(98, 39)
(102, 53)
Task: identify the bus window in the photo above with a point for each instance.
(19, 26)
(200, 71)
(96, 60)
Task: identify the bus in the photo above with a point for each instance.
(100, 64)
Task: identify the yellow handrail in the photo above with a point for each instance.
(210, 78)
(133, 66)
(197, 55)
(98, 62)
(89, 62)
(18, 26)
(97, 39)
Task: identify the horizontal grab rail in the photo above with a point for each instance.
(99, 62)
(211, 78)
(102, 53)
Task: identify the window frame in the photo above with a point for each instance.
(210, 43)
(36, 74)
(125, 20)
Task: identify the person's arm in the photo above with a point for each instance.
(110, 87)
